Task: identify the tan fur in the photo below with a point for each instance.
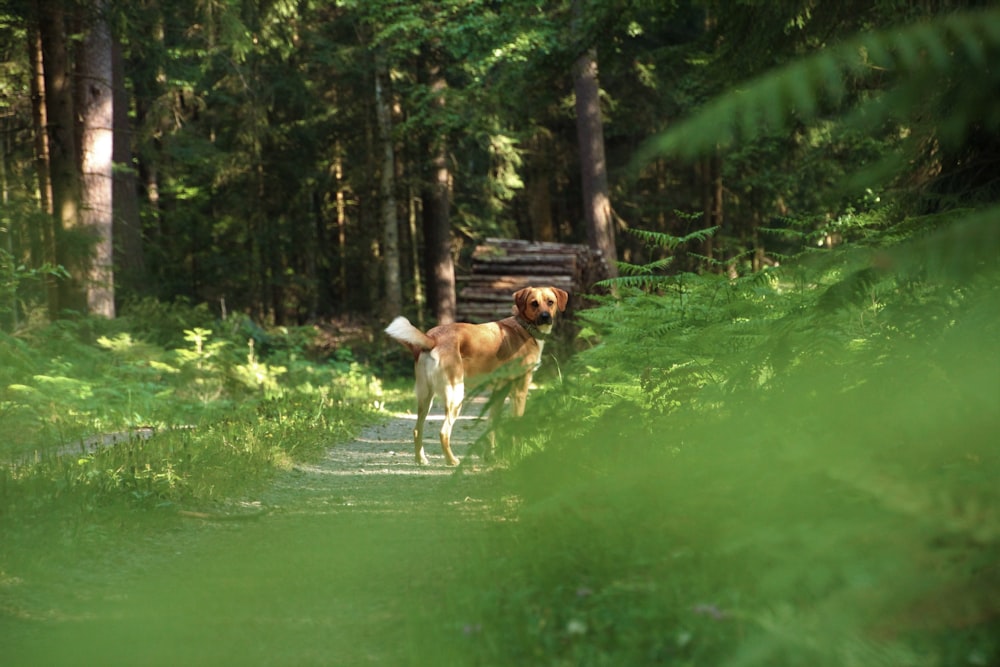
(449, 355)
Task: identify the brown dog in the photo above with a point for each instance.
(448, 355)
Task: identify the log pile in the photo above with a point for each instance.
(500, 267)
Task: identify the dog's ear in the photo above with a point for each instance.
(521, 299)
(562, 298)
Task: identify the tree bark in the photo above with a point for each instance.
(393, 304)
(96, 108)
(127, 231)
(43, 244)
(63, 172)
(709, 174)
(593, 167)
(437, 216)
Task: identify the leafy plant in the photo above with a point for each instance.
(926, 64)
(742, 471)
(102, 418)
(790, 466)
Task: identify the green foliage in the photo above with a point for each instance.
(13, 277)
(795, 467)
(97, 417)
(926, 63)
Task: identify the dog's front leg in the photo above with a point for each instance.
(519, 395)
(494, 418)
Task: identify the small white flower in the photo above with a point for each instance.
(576, 627)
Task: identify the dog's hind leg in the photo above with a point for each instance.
(425, 396)
(454, 394)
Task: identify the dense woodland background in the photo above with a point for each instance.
(296, 159)
(770, 439)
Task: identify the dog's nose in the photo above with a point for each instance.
(544, 317)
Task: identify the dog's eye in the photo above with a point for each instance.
(551, 302)
(534, 304)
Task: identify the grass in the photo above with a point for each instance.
(220, 414)
(227, 420)
(773, 480)
(293, 589)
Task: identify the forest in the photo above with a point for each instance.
(765, 436)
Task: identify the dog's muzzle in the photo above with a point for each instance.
(543, 323)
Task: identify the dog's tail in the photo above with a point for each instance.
(410, 336)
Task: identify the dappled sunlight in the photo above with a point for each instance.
(411, 416)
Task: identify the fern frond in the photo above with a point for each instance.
(627, 269)
(644, 282)
(804, 88)
(669, 241)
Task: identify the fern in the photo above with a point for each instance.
(808, 87)
(627, 269)
(648, 277)
(670, 242)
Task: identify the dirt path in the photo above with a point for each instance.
(361, 558)
(377, 471)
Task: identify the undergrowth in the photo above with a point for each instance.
(792, 467)
(164, 407)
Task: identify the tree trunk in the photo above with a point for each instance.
(538, 189)
(43, 244)
(96, 108)
(63, 173)
(127, 232)
(593, 167)
(341, 199)
(413, 209)
(437, 217)
(709, 173)
(148, 84)
(393, 304)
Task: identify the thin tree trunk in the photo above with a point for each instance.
(63, 172)
(716, 219)
(148, 91)
(709, 177)
(437, 236)
(590, 139)
(341, 205)
(437, 216)
(11, 252)
(393, 304)
(39, 119)
(96, 107)
(43, 244)
(593, 167)
(127, 232)
(418, 281)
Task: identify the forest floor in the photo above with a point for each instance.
(362, 557)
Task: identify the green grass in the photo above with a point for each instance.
(797, 468)
(334, 589)
(221, 414)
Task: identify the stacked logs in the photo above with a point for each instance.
(500, 267)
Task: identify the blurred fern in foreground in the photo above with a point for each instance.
(791, 468)
(929, 66)
(796, 466)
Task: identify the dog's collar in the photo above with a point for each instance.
(532, 329)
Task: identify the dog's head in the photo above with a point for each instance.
(538, 306)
